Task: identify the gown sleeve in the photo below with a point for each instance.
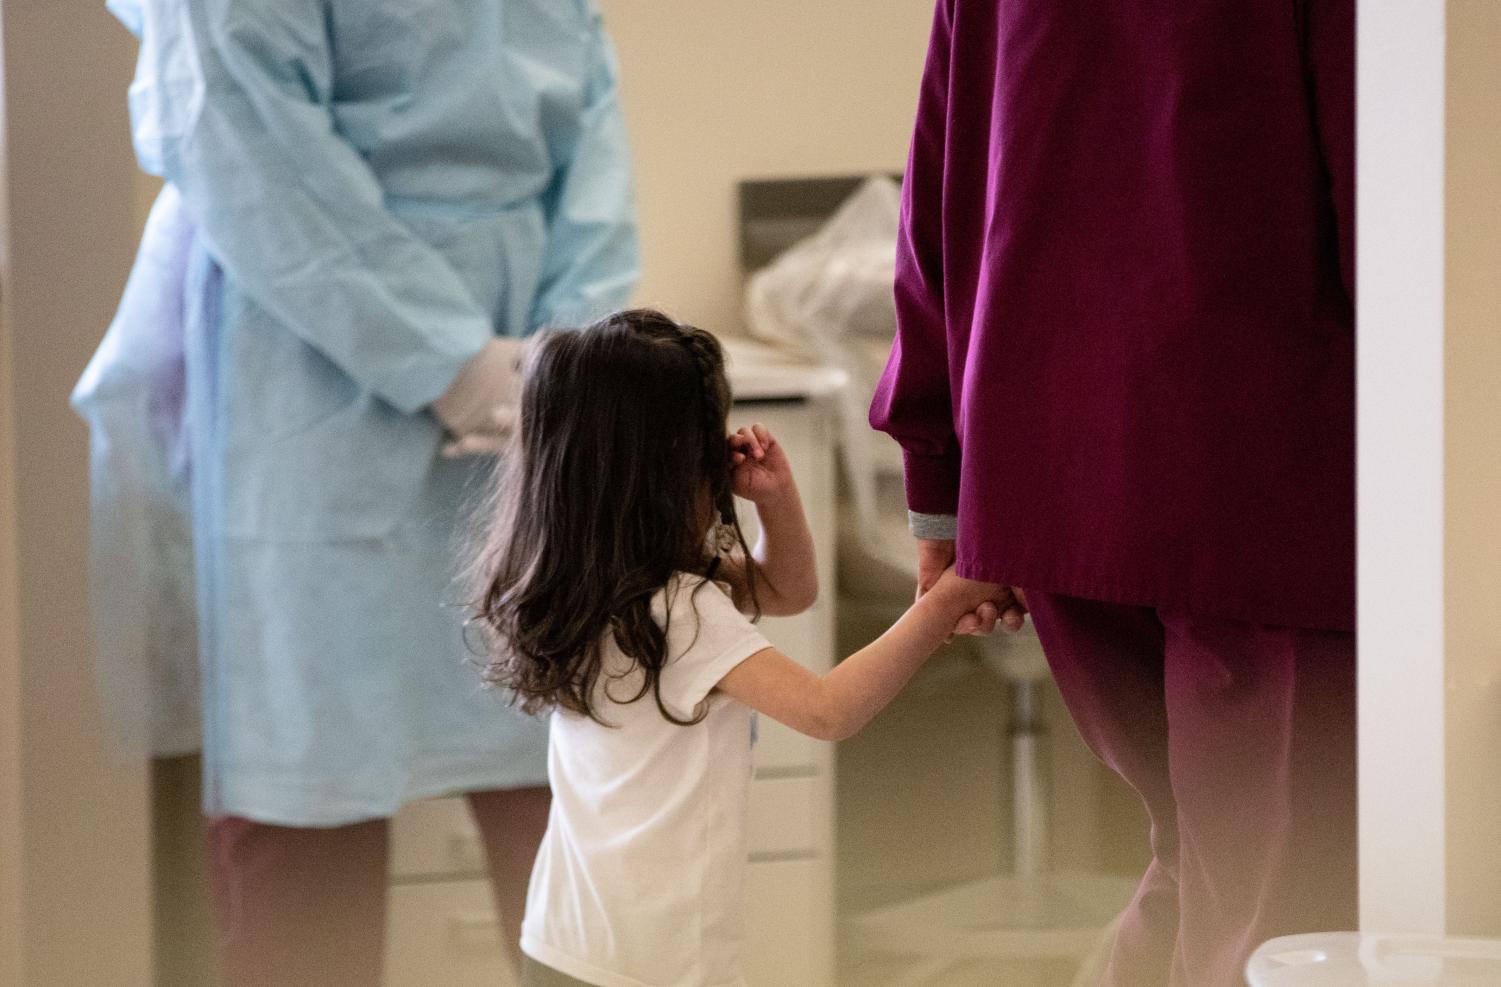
(289, 208)
(592, 258)
(1330, 54)
(913, 401)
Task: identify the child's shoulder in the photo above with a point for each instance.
(705, 630)
(694, 600)
(693, 587)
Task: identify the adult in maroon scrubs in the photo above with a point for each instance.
(1124, 384)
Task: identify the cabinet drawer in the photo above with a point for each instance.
(807, 637)
(780, 749)
(445, 932)
(789, 924)
(785, 815)
(436, 838)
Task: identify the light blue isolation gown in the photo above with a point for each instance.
(360, 194)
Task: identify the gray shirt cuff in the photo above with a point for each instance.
(942, 527)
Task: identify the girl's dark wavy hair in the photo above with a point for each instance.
(617, 474)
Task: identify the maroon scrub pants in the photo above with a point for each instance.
(1240, 740)
(302, 907)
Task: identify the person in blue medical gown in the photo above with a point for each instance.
(368, 203)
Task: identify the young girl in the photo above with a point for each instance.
(616, 593)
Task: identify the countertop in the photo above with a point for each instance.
(763, 373)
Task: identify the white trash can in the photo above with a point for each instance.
(1363, 959)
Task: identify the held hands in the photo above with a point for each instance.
(1006, 605)
(759, 470)
(975, 604)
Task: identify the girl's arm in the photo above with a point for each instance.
(835, 706)
(786, 570)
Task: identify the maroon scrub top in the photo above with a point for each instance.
(1124, 290)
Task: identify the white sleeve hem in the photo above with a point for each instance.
(712, 672)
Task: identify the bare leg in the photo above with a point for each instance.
(512, 822)
(299, 907)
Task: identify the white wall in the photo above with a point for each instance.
(716, 91)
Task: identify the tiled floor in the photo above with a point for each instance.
(891, 971)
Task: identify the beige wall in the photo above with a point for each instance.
(717, 91)
(75, 896)
(1473, 466)
(11, 831)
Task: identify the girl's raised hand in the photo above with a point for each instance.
(759, 470)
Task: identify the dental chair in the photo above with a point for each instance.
(1034, 913)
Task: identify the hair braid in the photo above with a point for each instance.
(709, 358)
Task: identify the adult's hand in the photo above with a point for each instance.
(934, 555)
(479, 409)
(484, 395)
(493, 438)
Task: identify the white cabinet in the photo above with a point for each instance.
(443, 927)
(789, 909)
(790, 886)
(436, 838)
(445, 934)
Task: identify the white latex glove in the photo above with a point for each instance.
(490, 441)
(479, 407)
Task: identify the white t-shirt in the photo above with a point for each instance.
(638, 881)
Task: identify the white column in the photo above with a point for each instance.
(1401, 464)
